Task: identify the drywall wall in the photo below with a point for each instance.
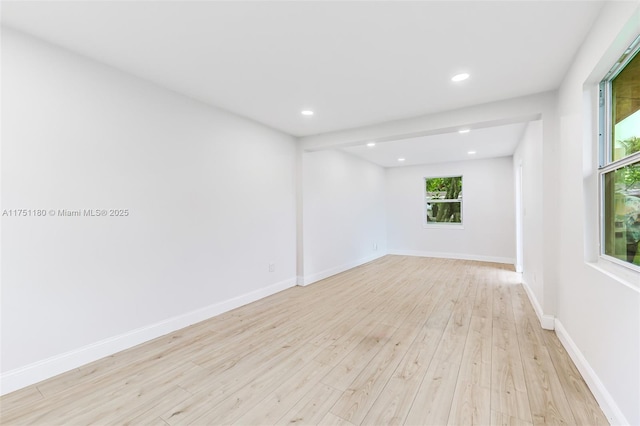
(210, 202)
(598, 305)
(488, 212)
(344, 213)
(527, 160)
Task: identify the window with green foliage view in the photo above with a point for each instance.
(620, 159)
(443, 200)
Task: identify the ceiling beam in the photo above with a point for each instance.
(516, 110)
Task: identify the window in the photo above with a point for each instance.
(620, 160)
(443, 197)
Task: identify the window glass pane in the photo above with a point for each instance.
(622, 213)
(625, 111)
(444, 212)
(444, 188)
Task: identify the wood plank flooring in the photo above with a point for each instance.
(401, 340)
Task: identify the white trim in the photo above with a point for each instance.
(310, 279)
(546, 321)
(632, 268)
(33, 373)
(619, 273)
(460, 256)
(443, 225)
(604, 398)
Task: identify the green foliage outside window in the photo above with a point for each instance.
(620, 170)
(631, 145)
(622, 213)
(444, 199)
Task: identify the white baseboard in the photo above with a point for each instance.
(310, 279)
(33, 373)
(460, 256)
(606, 401)
(546, 321)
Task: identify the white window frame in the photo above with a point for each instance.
(606, 164)
(442, 225)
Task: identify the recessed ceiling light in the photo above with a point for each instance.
(401, 159)
(471, 152)
(306, 112)
(462, 131)
(371, 144)
(460, 77)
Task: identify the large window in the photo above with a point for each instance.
(620, 159)
(443, 200)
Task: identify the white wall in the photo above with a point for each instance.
(528, 155)
(211, 198)
(343, 211)
(488, 211)
(598, 305)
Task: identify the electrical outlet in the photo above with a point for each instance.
(272, 267)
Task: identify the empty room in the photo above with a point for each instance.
(320, 212)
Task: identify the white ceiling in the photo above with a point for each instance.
(498, 141)
(354, 63)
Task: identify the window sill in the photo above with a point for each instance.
(622, 274)
(442, 226)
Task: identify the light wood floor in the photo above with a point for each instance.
(401, 340)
